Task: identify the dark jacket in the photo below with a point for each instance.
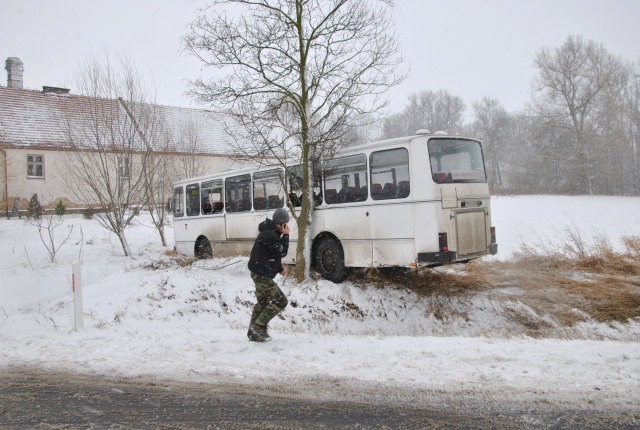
(268, 250)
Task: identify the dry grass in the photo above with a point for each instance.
(575, 273)
(426, 282)
(445, 291)
(545, 288)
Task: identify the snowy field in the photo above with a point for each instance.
(148, 317)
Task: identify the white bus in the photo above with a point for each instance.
(414, 201)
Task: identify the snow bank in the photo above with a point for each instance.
(148, 316)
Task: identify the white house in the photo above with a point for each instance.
(34, 144)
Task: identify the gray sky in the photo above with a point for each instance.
(472, 48)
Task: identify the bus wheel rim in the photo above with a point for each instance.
(329, 260)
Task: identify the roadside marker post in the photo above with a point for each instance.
(76, 286)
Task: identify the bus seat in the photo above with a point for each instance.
(317, 198)
(403, 190)
(389, 190)
(376, 189)
(352, 194)
(231, 206)
(341, 195)
(439, 177)
(364, 192)
(273, 202)
(206, 208)
(295, 200)
(259, 203)
(218, 207)
(331, 196)
(244, 205)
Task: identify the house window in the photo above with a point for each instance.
(35, 166)
(123, 167)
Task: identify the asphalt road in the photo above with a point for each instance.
(35, 398)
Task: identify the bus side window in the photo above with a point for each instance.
(193, 200)
(238, 193)
(345, 179)
(268, 191)
(178, 202)
(294, 175)
(391, 168)
(212, 197)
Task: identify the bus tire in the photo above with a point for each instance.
(329, 260)
(203, 249)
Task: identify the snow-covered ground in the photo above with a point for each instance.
(148, 316)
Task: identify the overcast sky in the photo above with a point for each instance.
(472, 48)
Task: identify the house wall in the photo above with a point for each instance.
(51, 187)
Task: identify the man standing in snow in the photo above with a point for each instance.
(271, 245)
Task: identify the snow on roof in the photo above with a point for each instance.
(32, 118)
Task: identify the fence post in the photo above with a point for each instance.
(76, 286)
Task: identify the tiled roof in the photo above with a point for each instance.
(31, 118)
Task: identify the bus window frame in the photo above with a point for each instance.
(318, 183)
(188, 206)
(226, 188)
(178, 203)
(484, 166)
(366, 177)
(202, 188)
(268, 175)
(393, 172)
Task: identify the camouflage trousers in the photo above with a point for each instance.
(271, 300)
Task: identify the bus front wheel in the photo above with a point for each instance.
(203, 249)
(329, 260)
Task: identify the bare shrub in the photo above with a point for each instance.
(47, 223)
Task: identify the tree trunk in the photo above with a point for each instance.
(303, 250)
(161, 233)
(125, 244)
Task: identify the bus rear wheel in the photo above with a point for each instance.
(203, 249)
(329, 260)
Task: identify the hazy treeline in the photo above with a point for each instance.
(579, 133)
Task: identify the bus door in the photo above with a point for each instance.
(213, 223)
(392, 224)
(240, 220)
(348, 216)
(179, 223)
(193, 228)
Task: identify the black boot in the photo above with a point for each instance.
(259, 333)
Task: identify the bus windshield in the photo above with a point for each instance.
(456, 161)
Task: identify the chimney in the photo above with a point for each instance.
(14, 70)
(56, 90)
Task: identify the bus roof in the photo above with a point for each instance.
(399, 140)
(343, 152)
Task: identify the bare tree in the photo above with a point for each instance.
(571, 83)
(47, 223)
(105, 128)
(492, 124)
(159, 175)
(189, 146)
(297, 74)
(433, 110)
